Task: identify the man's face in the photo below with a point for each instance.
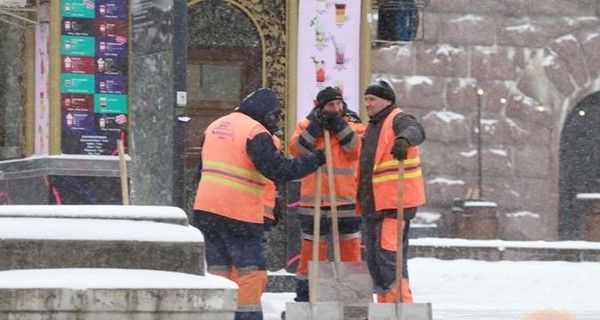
(334, 107)
(374, 104)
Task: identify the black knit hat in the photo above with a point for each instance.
(328, 94)
(382, 89)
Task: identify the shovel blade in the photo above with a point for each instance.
(316, 311)
(346, 282)
(400, 311)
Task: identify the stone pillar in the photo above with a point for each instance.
(590, 204)
(155, 53)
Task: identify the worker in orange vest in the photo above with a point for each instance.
(330, 113)
(391, 135)
(238, 157)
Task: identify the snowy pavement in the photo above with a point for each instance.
(501, 290)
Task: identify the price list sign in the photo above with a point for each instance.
(328, 51)
(94, 84)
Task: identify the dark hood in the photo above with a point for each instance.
(259, 105)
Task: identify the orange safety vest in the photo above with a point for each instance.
(230, 185)
(345, 168)
(270, 190)
(385, 172)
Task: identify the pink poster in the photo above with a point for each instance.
(328, 51)
(42, 102)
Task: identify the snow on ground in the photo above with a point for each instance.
(502, 290)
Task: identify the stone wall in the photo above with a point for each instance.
(538, 55)
(11, 97)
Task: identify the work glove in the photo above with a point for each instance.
(400, 148)
(278, 210)
(326, 120)
(320, 154)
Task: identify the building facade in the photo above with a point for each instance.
(535, 119)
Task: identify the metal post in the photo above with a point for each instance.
(179, 85)
(479, 155)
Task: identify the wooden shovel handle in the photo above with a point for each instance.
(123, 173)
(334, 214)
(400, 230)
(314, 270)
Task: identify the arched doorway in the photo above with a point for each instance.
(224, 65)
(579, 164)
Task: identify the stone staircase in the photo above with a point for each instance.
(106, 262)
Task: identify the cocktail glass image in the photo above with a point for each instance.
(320, 71)
(69, 119)
(340, 12)
(320, 32)
(340, 54)
(321, 5)
(101, 65)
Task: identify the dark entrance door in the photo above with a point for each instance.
(579, 164)
(218, 79)
(224, 65)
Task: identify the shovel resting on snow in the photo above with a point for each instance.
(399, 310)
(337, 290)
(346, 282)
(315, 310)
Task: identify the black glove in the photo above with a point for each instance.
(278, 210)
(400, 148)
(320, 154)
(326, 120)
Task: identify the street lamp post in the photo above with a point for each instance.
(479, 92)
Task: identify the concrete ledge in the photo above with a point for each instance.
(32, 243)
(114, 294)
(496, 250)
(151, 213)
(72, 165)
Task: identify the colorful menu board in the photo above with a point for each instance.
(328, 51)
(94, 85)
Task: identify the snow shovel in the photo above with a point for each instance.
(314, 310)
(346, 282)
(399, 310)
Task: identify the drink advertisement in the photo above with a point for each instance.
(328, 51)
(77, 64)
(94, 83)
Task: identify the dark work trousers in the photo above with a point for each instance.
(382, 262)
(229, 246)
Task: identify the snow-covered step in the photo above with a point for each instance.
(497, 250)
(152, 213)
(34, 243)
(116, 294)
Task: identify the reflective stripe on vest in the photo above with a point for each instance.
(388, 170)
(235, 177)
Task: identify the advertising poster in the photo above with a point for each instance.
(77, 64)
(94, 83)
(77, 8)
(77, 45)
(328, 51)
